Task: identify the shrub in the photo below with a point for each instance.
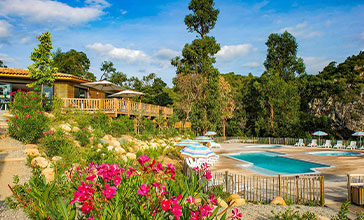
(83, 120)
(121, 125)
(148, 127)
(289, 214)
(29, 121)
(55, 143)
(343, 212)
(83, 136)
(101, 121)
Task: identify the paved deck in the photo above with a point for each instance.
(335, 176)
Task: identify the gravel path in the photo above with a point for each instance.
(260, 212)
(10, 148)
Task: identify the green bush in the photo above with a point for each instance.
(56, 143)
(83, 136)
(148, 127)
(101, 121)
(289, 214)
(29, 121)
(121, 125)
(83, 120)
(343, 212)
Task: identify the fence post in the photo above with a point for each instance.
(297, 191)
(322, 191)
(349, 187)
(227, 181)
(280, 185)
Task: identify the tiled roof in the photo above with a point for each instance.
(25, 73)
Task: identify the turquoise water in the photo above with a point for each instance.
(270, 163)
(334, 153)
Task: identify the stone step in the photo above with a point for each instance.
(12, 159)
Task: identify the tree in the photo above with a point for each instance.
(118, 78)
(74, 63)
(108, 68)
(2, 64)
(227, 103)
(282, 56)
(198, 58)
(42, 70)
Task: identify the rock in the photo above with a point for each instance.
(39, 162)
(66, 127)
(75, 129)
(222, 203)
(103, 141)
(237, 202)
(107, 137)
(49, 115)
(31, 146)
(99, 146)
(56, 158)
(131, 156)
(114, 142)
(123, 141)
(124, 158)
(278, 201)
(232, 197)
(198, 201)
(120, 150)
(110, 148)
(320, 217)
(32, 152)
(48, 174)
(8, 115)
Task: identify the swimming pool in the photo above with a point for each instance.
(262, 146)
(271, 163)
(334, 153)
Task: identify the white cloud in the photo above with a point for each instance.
(123, 12)
(229, 53)
(315, 64)
(301, 30)
(6, 59)
(362, 35)
(166, 54)
(251, 64)
(53, 12)
(26, 40)
(5, 31)
(123, 54)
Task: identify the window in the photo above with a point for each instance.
(80, 93)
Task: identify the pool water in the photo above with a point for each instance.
(334, 153)
(262, 146)
(271, 163)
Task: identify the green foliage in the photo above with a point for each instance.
(83, 136)
(289, 214)
(121, 125)
(42, 70)
(29, 121)
(2, 64)
(57, 143)
(360, 216)
(343, 212)
(101, 121)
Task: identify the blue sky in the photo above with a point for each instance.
(141, 36)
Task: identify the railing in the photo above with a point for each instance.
(298, 189)
(354, 180)
(116, 106)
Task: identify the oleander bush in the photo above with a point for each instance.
(56, 143)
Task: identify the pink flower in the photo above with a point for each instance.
(117, 180)
(109, 192)
(190, 200)
(144, 190)
(213, 200)
(130, 172)
(236, 214)
(142, 159)
(195, 216)
(14, 125)
(86, 207)
(50, 132)
(208, 175)
(91, 178)
(91, 217)
(165, 205)
(177, 211)
(16, 117)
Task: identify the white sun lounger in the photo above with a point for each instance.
(339, 144)
(300, 143)
(214, 145)
(327, 144)
(352, 145)
(313, 143)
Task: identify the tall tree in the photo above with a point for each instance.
(282, 56)
(107, 67)
(2, 64)
(198, 58)
(42, 70)
(73, 62)
(227, 103)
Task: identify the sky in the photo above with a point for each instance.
(141, 36)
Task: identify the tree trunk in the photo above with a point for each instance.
(223, 129)
(271, 118)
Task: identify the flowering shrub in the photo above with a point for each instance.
(83, 136)
(55, 142)
(29, 121)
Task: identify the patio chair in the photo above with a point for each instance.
(352, 145)
(300, 143)
(327, 144)
(313, 143)
(339, 145)
(214, 145)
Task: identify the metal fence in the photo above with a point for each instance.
(298, 189)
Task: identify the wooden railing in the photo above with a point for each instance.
(297, 189)
(354, 180)
(116, 107)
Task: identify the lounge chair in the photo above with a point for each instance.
(192, 163)
(352, 145)
(313, 143)
(327, 144)
(339, 144)
(214, 145)
(300, 143)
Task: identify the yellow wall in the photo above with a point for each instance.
(64, 90)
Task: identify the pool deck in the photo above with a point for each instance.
(335, 176)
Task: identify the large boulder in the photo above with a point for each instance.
(107, 137)
(222, 203)
(131, 156)
(39, 162)
(32, 152)
(278, 201)
(31, 146)
(320, 217)
(49, 115)
(75, 129)
(237, 202)
(120, 150)
(114, 142)
(232, 197)
(66, 127)
(48, 174)
(99, 146)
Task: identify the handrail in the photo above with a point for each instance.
(116, 106)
